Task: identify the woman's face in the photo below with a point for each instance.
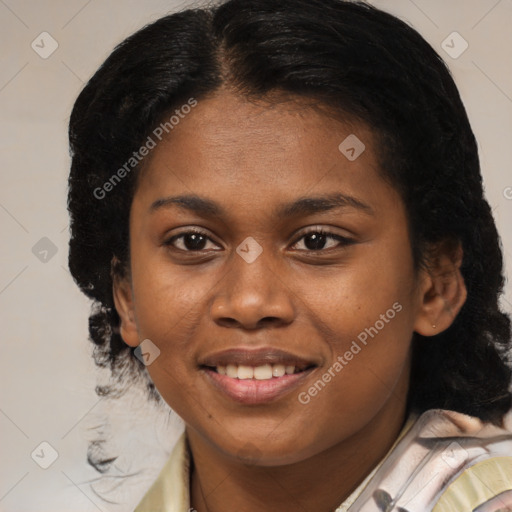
(258, 184)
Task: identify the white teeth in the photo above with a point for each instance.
(278, 370)
(245, 372)
(232, 371)
(263, 372)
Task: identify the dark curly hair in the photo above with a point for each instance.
(359, 63)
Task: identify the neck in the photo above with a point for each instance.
(321, 482)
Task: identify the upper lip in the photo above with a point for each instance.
(255, 357)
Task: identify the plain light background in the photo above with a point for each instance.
(48, 377)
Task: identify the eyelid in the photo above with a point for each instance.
(319, 228)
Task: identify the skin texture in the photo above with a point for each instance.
(283, 455)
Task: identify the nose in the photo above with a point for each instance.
(252, 295)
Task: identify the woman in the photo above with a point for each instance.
(277, 208)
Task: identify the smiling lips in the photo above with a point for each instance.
(255, 376)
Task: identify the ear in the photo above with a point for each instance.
(123, 301)
(442, 290)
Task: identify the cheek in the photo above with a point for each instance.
(169, 312)
(368, 290)
(167, 296)
(368, 321)
(368, 369)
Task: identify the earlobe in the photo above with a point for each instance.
(442, 294)
(123, 301)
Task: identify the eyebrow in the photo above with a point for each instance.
(300, 207)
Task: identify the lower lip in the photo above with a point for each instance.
(252, 391)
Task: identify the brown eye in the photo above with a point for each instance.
(194, 242)
(318, 240)
(189, 241)
(315, 241)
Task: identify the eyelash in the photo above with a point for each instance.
(344, 241)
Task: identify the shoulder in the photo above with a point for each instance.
(447, 462)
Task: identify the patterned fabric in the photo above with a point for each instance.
(447, 462)
(442, 462)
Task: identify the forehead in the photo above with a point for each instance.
(259, 150)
